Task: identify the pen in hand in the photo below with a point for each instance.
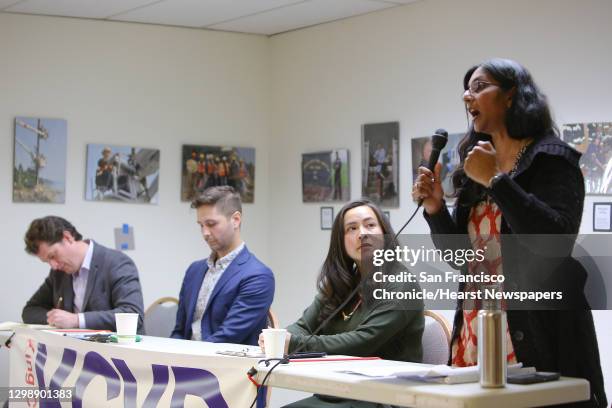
(58, 305)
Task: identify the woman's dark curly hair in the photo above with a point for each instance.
(527, 117)
(339, 275)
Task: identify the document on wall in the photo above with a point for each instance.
(601, 217)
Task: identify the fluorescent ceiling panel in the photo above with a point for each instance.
(6, 3)
(401, 1)
(200, 13)
(300, 15)
(77, 8)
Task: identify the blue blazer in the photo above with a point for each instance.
(237, 308)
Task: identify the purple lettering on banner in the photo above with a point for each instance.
(94, 364)
(58, 378)
(188, 381)
(65, 368)
(160, 383)
(41, 359)
(198, 382)
(129, 383)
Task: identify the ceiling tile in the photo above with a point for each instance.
(77, 8)
(400, 1)
(300, 15)
(6, 3)
(199, 13)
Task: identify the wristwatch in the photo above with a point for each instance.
(495, 179)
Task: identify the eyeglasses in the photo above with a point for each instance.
(478, 86)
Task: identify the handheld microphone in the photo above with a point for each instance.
(438, 141)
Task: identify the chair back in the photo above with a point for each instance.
(436, 339)
(160, 317)
(272, 320)
(592, 252)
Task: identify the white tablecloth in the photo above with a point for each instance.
(324, 378)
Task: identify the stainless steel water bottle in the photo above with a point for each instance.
(492, 327)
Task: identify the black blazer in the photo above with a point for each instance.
(545, 196)
(112, 287)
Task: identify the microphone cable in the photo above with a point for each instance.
(419, 204)
(285, 360)
(349, 297)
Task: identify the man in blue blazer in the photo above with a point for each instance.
(226, 297)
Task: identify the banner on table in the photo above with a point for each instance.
(105, 375)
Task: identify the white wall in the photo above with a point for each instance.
(407, 64)
(129, 84)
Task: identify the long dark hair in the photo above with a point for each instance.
(527, 117)
(339, 275)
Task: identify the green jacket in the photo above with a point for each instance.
(376, 331)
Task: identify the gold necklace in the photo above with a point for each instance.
(511, 173)
(518, 158)
(348, 316)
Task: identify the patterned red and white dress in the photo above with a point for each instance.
(483, 229)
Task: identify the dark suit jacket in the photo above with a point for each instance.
(112, 287)
(237, 307)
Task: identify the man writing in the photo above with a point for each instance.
(88, 283)
(224, 298)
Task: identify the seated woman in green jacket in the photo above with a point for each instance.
(365, 327)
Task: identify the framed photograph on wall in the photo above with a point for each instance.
(327, 218)
(387, 214)
(122, 173)
(380, 163)
(449, 157)
(594, 141)
(39, 161)
(325, 176)
(208, 166)
(602, 217)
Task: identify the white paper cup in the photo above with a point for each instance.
(274, 342)
(126, 327)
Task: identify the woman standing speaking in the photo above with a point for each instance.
(516, 177)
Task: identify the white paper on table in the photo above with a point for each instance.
(240, 350)
(439, 373)
(388, 371)
(15, 325)
(249, 354)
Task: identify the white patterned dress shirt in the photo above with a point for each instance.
(215, 270)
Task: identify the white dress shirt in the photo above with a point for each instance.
(79, 284)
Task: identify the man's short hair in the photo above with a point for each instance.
(48, 229)
(225, 198)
